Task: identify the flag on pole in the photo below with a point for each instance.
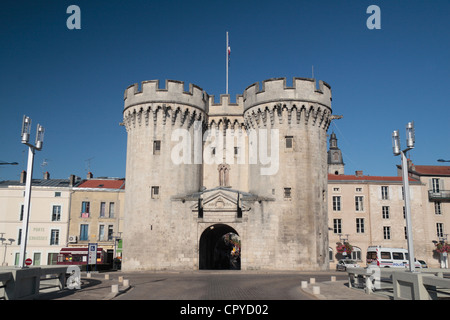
(229, 51)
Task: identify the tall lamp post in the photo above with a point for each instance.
(26, 127)
(410, 140)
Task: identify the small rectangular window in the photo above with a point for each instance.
(155, 192)
(385, 212)
(57, 194)
(359, 225)
(359, 203)
(287, 193)
(387, 233)
(85, 209)
(156, 147)
(336, 203)
(111, 209)
(289, 142)
(110, 232)
(102, 209)
(435, 185)
(84, 232)
(54, 237)
(337, 226)
(440, 230)
(56, 213)
(101, 233)
(384, 192)
(437, 208)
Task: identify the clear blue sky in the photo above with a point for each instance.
(72, 81)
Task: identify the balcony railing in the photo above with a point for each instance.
(441, 195)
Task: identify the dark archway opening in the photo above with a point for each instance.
(220, 248)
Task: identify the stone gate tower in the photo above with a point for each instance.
(198, 171)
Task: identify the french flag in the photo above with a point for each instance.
(229, 51)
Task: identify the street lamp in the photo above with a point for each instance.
(410, 141)
(11, 163)
(6, 246)
(26, 127)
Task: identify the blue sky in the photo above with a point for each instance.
(72, 81)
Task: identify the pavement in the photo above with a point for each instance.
(119, 286)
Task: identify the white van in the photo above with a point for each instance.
(389, 257)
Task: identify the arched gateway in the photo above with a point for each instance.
(220, 248)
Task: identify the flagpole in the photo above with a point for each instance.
(226, 56)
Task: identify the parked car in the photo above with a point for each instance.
(343, 264)
(423, 263)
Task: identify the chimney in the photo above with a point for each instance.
(89, 175)
(71, 180)
(359, 173)
(23, 176)
(46, 176)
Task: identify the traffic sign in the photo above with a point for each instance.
(28, 262)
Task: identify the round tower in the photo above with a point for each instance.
(288, 166)
(160, 164)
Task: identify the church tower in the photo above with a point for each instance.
(335, 161)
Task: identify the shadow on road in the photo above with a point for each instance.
(86, 285)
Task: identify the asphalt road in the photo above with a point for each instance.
(226, 285)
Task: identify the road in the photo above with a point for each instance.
(224, 285)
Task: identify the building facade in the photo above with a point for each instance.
(226, 185)
(96, 216)
(436, 203)
(370, 210)
(48, 219)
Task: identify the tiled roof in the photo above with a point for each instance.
(103, 183)
(344, 177)
(432, 170)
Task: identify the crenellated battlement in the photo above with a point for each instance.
(273, 102)
(173, 92)
(225, 106)
(275, 90)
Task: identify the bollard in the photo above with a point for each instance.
(121, 279)
(304, 284)
(333, 278)
(316, 290)
(106, 276)
(312, 280)
(89, 275)
(115, 288)
(126, 282)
